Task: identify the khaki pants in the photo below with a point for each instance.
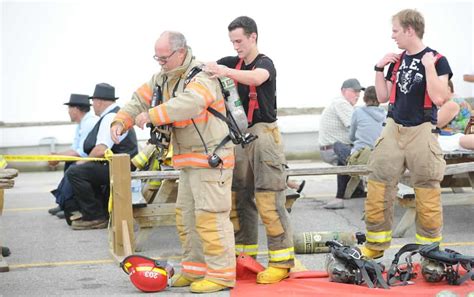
(399, 148)
(204, 228)
(258, 187)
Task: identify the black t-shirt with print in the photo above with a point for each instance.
(266, 92)
(411, 85)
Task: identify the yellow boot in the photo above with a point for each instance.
(179, 280)
(370, 253)
(272, 275)
(206, 286)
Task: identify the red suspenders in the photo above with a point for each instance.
(253, 102)
(427, 103)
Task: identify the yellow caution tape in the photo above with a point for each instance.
(3, 162)
(108, 154)
(34, 158)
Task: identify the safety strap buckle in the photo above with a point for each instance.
(354, 253)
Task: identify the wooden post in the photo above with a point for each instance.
(121, 203)
(3, 263)
(127, 245)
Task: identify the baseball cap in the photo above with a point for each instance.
(352, 83)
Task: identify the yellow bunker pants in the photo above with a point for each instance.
(258, 188)
(205, 231)
(400, 148)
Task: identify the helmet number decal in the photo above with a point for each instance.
(151, 274)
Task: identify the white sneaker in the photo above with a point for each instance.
(336, 203)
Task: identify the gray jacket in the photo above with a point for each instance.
(366, 126)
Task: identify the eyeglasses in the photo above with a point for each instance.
(163, 60)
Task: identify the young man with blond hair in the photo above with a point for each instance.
(416, 82)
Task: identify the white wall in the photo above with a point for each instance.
(52, 49)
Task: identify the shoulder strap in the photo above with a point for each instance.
(393, 78)
(428, 103)
(253, 100)
(194, 71)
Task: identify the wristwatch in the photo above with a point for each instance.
(378, 69)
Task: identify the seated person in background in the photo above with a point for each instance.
(366, 126)
(79, 112)
(453, 118)
(336, 120)
(453, 115)
(89, 179)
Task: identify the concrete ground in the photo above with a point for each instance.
(48, 258)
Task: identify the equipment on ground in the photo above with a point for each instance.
(315, 242)
(436, 265)
(146, 274)
(345, 265)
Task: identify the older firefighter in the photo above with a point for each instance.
(204, 194)
(416, 81)
(259, 171)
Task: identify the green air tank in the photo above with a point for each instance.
(315, 242)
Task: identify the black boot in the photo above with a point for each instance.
(5, 251)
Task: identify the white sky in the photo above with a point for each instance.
(50, 49)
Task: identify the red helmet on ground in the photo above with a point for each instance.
(147, 274)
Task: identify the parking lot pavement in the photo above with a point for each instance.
(48, 258)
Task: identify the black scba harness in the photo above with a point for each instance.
(357, 270)
(236, 135)
(448, 259)
(160, 136)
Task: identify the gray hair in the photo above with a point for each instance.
(176, 39)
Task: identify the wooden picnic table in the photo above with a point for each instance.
(163, 213)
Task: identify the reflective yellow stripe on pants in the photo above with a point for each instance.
(425, 240)
(379, 237)
(282, 255)
(251, 249)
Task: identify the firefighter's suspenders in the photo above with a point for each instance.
(253, 102)
(427, 102)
